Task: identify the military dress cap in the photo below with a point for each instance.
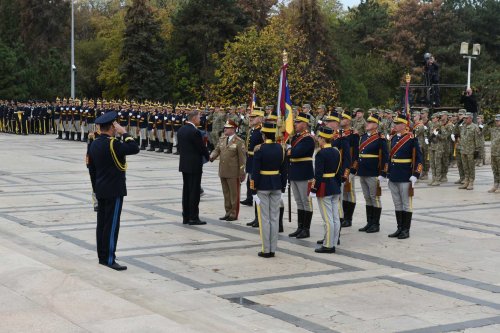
(425, 110)
(468, 114)
(257, 112)
(339, 110)
(399, 119)
(444, 113)
(273, 116)
(106, 118)
(230, 124)
(269, 107)
(332, 116)
(268, 127)
(356, 110)
(497, 117)
(416, 113)
(347, 114)
(374, 118)
(436, 114)
(461, 111)
(321, 106)
(373, 110)
(302, 117)
(306, 106)
(325, 132)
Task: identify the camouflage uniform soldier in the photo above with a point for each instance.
(447, 130)
(480, 124)
(359, 122)
(457, 131)
(436, 150)
(306, 108)
(232, 115)
(420, 132)
(243, 121)
(218, 119)
(495, 153)
(469, 145)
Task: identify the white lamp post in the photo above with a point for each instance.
(464, 50)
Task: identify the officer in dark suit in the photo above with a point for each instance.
(268, 182)
(108, 164)
(405, 166)
(193, 153)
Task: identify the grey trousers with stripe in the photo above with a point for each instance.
(369, 188)
(401, 196)
(268, 213)
(329, 209)
(302, 199)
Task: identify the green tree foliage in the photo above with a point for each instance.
(143, 53)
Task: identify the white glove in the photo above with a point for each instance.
(320, 122)
(413, 180)
(388, 136)
(453, 137)
(481, 126)
(351, 177)
(288, 146)
(312, 194)
(156, 117)
(256, 199)
(119, 113)
(130, 113)
(425, 128)
(435, 132)
(242, 117)
(426, 141)
(381, 179)
(138, 117)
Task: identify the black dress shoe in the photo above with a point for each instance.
(231, 219)
(247, 203)
(255, 224)
(116, 266)
(373, 228)
(320, 241)
(266, 255)
(250, 223)
(325, 249)
(196, 222)
(225, 217)
(96, 209)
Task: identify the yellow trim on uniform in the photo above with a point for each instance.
(269, 172)
(332, 118)
(305, 120)
(411, 204)
(119, 165)
(373, 120)
(341, 208)
(129, 138)
(345, 115)
(302, 159)
(368, 156)
(268, 130)
(329, 175)
(250, 153)
(325, 219)
(259, 218)
(401, 160)
(324, 135)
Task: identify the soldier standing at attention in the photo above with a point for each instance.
(436, 149)
(480, 124)
(359, 122)
(269, 177)
(372, 169)
(108, 165)
(405, 167)
(447, 130)
(469, 148)
(455, 137)
(495, 152)
(301, 173)
(231, 149)
(218, 119)
(420, 134)
(326, 188)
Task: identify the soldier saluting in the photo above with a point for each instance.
(107, 164)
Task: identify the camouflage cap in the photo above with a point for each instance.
(468, 114)
(461, 112)
(425, 110)
(416, 113)
(306, 106)
(436, 114)
(339, 110)
(444, 113)
(497, 117)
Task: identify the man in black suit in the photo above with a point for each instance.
(193, 153)
(107, 166)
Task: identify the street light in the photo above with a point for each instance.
(73, 67)
(464, 51)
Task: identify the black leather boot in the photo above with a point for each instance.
(85, 137)
(304, 233)
(255, 222)
(176, 150)
(399, 219)
(66, 135)
(282, 211)
(405, 233)
(375, 227)
(300, 222)
(79, 136)
(160, 147)
(152, 146)
(72, 136)
(59, 135)
(168, 148)
(347, 222)
(144, 144)
(369, 215)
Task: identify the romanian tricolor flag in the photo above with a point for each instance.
(253, 103)
(284, 105)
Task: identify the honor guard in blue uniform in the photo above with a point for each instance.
(178, 122)
(143, 126)
(268, 181)
(152, 128)
(160, 131)
(301, 173)
(326, 188)
(107, 164)
(253, 139)
(405, 166)
(372, 169)
(169, 129)
(349, 192)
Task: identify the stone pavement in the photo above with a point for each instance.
(445, 278)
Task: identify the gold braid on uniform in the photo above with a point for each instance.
(119, 165)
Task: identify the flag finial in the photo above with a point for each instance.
(254, 84)
(285, 57)
(408, 77)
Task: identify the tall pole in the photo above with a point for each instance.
(72, 50)
(468, 73)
